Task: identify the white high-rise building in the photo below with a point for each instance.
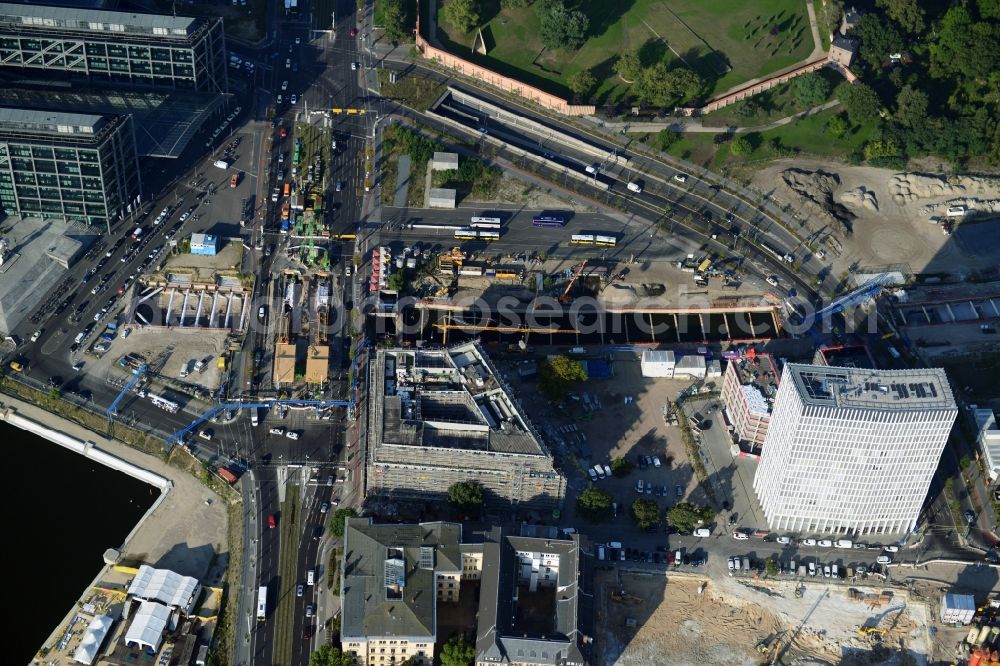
(852, 450)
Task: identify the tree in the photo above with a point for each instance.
(771, 567)
(561, 27)
(582, 82)
(457, 652)
(327, 655)
(878, 39)
(837, 126)
(594, 504)
(628, 66)
(860, 100)
(745, 144)
(621, 467)
(686, 516)
(660, 86)
(466, 495)
(515, 4)
(336, 522)
(964, 46)
(906, 13)
(812, 89)
(645, 513)
(558, 375)
(665, 138)
(833, 12)
(911, 106)
(393, 17)
(396, 281)
(463, 14)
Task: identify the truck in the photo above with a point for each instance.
(199, 366)
(234, 180)
(227, 476)
(221, 164)
(286, 211)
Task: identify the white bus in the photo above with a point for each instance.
(486, 223)
(262, 603)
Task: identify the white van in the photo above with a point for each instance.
(79, 338)
(591, 169)
(844, 543)
(740, 536)
(599, 470)
(634, 187)
(702, 532)
(956, 211)
(311, 577)
(883, 559)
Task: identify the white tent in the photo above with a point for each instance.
(147, 626)
(90, 644)
(165, 586)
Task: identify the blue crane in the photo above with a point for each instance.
(137, 375)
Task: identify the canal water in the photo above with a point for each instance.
(63, 511)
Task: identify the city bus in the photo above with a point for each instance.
(548, 221)
(486, 223)
(476, 234)
(593, 239)
(262, 603)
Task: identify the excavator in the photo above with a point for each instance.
(623, 597)
(874, 633)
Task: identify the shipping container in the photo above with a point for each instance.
(228, 476)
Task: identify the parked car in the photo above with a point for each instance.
(783, 540)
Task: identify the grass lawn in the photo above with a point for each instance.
(805, 136)
(727, 43)
(768, 106)
(413, 91)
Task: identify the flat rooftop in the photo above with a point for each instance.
(58, 123)
(164, 121)
(863, 388)
(449, 398)
(109, 24)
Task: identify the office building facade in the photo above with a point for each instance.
(69, 166)
(118, 48)
(852, 450)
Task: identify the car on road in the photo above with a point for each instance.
(891, 549)
(783, 540)
(77, 367)
(272, 521)
(300, 590)
(37, 334)
(205, 434)
(680, 177)
(309, 610)
(186, 214)
(772, 280)
(970, 516)
(291, 434)
(295, 98)
(298, 40)
(340, 185)
(307, 632)
(354, 32)
(808, 542)
(825, 543)
(354, 66)
(288, 63)
(283, 132)
(277, 430)
(740, 536)
(261, 312)
(883, 559)
(284, 86)
(324, 507)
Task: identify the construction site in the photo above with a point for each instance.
(588, 302)
(686, 619)
(437, 417)
(302, 325)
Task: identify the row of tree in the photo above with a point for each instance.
(560, 27)
(596, 505)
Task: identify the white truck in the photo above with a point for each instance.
(221, 164)
(634, 187)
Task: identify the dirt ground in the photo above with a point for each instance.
(726, 621)
(514, 190)
(890, 214)
(167, 352)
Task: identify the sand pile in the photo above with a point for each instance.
(909, 187)
(861, 196)
(814, 190)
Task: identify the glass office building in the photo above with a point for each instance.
(70, 166)
(115, 47)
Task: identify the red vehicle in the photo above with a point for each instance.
(272, 521)
(283, 132)
(354, 32)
